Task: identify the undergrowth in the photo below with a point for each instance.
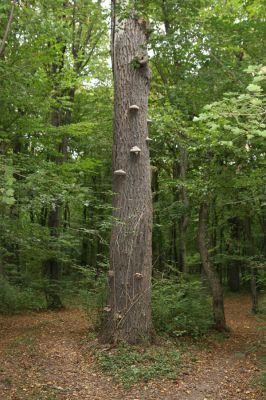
(129, 365)
(15, 299)
(181, 308)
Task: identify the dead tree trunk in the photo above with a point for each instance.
(212, 276)
(128, 310)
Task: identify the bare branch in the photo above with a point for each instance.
(7, 30)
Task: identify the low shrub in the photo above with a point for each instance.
(181, 308)
(130, 365)
(14, 299)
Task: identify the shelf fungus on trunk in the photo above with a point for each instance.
(148, 139)
(134, 107)
(138, 275)
(120, 172)
(111, 273)
(135, 150)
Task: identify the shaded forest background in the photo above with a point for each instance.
(207, 125)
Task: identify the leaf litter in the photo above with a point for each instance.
(51, 356)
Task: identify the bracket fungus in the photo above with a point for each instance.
(149, 121)
(107, 309)
(148, 139)
(138, 275)
(120, 172)
(135, 150)
(134, 107)
(111, 273)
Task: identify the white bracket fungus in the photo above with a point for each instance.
(135, 150)
(111, 273)
(134, 107)
(120, 172)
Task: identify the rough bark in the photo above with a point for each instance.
(128, 310)
(212, 276)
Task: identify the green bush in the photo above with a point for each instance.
(14, 299)
(181, 308)
(91, 292)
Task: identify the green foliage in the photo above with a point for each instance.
(15, 299)
(181, 308)
(131, 365)
(90, 293)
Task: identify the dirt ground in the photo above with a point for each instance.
(49, 356)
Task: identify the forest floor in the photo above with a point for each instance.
(50, 356)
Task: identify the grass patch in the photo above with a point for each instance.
(130, 365)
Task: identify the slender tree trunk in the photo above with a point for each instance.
(157, 236)
(128, 310)
(52, 265)
(254, 290)
(184, 220)
(174, 227)
(7, 29)
(212, 276)
(249, 247)
(234, 267)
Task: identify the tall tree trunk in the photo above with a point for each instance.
(234, 267)
(158, 246)
(174, 229)
(184, 220)
(249, 250)
(128, 310)
(51, 265)
(254, 290)
(212, 276)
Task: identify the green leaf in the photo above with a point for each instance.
(261, 133)
(228, 143)
(8, 200)
(10, 192)
(254, 88)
